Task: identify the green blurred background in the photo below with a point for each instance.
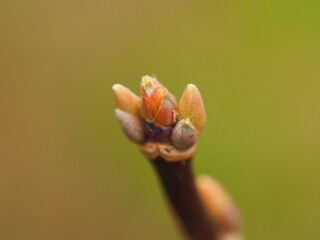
(68, 172)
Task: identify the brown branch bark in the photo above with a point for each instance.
(178, 183)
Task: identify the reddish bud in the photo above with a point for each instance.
(158, 105)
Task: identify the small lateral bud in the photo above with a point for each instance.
(184, 134)
(191, 106)
(218, 204)
(126, 100)
(231, 236)
(131, 125)
(158, 105)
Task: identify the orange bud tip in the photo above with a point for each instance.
(191, 85)
(126, 100)
(158, 105)
(191, 106)
(116, 86)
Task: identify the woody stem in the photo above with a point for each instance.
(178, 183)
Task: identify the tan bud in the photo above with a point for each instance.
(191, 106)
(158, 105)
(231, 236)
(218, 204)
(126, 100)
(131, 125)
(184, 134)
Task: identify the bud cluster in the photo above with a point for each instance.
(156, 117)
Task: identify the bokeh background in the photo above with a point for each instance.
(67, 171)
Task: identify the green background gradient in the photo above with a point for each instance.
(68, 172)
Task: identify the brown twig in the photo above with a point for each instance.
(167, 133)
(178, 183)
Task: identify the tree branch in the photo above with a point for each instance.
(178, 183)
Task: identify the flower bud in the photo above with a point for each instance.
(184, 134)
(218, 204)
(191, 106)
(158, 105)
(131, 125)
(126, 100)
